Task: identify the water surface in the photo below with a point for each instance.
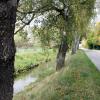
(20, 84)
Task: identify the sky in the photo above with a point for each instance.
(97, 19)
(97, 5)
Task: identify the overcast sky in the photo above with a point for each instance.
(97, 18)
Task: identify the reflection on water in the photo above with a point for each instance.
(20, 84)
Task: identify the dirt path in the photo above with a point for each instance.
(94, 55)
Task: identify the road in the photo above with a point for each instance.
(94, 56)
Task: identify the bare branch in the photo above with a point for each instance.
(25, 24)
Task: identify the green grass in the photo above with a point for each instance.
(40, 72)
(25, 58)
(79, 80)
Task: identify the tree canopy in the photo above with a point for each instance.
(76, 13)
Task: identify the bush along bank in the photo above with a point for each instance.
(29, 67)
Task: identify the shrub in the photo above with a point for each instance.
(93, 41)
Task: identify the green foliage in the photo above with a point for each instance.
(23, 34)
(79, 15)
(21, 39)
(26, 5)
(93, 37)
(48, 36)
(27, 57)
(97, 29)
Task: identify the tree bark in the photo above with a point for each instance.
(60, 60)
(75, 45)
(7, 47)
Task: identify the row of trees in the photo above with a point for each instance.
(73, 14)
(93, 37)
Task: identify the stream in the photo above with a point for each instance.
(26, 79)
(20, 84)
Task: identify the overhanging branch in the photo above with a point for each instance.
(25, 24)
(40, 10)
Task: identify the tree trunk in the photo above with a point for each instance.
(75, 45)
(7, 47)
(60, 60)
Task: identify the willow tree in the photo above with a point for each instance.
(64, 42)
(83, 12)
(7, 47)
(52, 34)
(75, 13)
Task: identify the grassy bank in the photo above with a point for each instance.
(79, 80)
(28, 58)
